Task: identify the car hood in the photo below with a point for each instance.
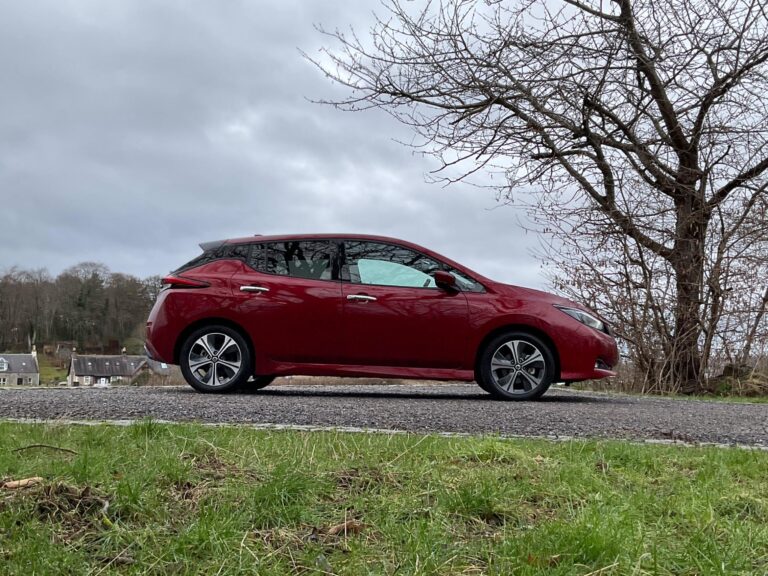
(540, 296)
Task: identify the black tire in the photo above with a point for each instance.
(215, 359)
(519, 381)
(259, 382)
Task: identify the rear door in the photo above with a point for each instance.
(394, 314)
(289, 299)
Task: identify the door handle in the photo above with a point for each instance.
(361, 298)
(257, 289)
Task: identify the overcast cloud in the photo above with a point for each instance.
(130, 131)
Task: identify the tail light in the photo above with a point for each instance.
(182, 282)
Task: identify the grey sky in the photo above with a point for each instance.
(131, 131)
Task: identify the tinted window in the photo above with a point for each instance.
(301, 259)
(387, 265)
(224, 251)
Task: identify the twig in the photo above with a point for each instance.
(45, 446)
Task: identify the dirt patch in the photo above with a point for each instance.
(365, 480)
(331, 537)
(189, 492)
(210, 466)
(72, 510)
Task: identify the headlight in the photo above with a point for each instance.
(584, 317)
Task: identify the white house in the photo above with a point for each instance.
(19, 369)
(104, 370)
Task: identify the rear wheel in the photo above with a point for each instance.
(516, 366)
(215, 359)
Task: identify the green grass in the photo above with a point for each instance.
(186, 499)
(600, 388)
(49, 372)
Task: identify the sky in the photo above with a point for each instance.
(131, 131)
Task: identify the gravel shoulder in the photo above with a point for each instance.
(450, 407)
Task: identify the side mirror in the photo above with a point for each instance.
(445, 280)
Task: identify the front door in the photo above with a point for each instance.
(394, 314)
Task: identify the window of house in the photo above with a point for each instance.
(3, 365)
(29, 380)
(3, 380)
(86, 379)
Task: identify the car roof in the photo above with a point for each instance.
(323, 236)
(369, 237)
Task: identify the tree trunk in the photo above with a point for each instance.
(686, 358)
(689, 278)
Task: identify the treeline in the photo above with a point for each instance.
(86, 304)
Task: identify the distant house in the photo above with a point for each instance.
(63, 351)
(19, 369)
(104, 370)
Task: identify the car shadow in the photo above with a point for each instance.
(419, 394)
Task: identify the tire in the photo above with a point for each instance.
(530, 371)
(259, 382)
(215, 358)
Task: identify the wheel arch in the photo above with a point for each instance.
(528, 329)
(215, 321)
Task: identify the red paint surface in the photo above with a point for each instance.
(303, 326)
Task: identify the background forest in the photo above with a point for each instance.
(86, 304)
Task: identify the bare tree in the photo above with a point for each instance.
(86, 303)
(649, 113)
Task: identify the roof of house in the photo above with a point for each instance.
(100, 366)
(19, 364)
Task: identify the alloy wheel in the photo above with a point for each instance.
(214, 359)
(518, 367)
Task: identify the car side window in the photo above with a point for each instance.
(381, 264)
(311, 259)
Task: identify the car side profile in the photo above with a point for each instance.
(250, 309)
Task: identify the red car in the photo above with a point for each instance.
(248, 310)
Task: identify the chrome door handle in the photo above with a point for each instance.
(361, 297)
(257, 289)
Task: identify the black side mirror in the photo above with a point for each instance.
(445, 280)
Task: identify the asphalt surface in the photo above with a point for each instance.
(453, 408)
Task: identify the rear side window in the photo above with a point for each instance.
(223, 252)
(311, 259)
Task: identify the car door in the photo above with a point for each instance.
(289, 299)
(394, 314)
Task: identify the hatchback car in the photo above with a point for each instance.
(250, 309)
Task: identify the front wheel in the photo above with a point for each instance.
(215, 359)
(516, 366)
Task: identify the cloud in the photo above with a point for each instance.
(132, 131)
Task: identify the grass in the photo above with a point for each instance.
(49, 372)
(601, 387)
(187, 499)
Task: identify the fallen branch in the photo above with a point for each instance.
(25, 483)
(45, 446)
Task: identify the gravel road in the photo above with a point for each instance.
(454, 407)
